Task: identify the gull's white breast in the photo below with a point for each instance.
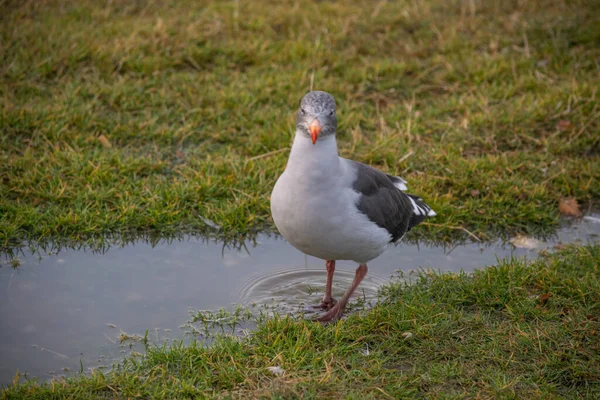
(315, 208)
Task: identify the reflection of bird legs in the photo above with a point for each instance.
(328, 301)
(337, 311)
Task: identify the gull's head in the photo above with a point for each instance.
(316, 116)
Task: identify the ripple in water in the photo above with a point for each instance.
(292, 290)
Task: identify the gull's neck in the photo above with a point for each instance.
(323, 155)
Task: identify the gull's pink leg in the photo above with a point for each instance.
(328, 301)
(338, 310)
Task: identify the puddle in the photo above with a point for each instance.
(64, 312)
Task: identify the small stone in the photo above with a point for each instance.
(407, 335)
(525, 242)
(277, 371)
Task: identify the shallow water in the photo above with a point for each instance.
(64, 312)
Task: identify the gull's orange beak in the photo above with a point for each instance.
(315, 129)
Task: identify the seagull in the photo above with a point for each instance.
(333, 208)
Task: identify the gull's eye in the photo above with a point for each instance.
(331, 113)
(302, 111)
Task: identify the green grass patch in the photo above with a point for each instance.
(128, 117)
(514, 330)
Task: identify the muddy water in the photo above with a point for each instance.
(66, 311)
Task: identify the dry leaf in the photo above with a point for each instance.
(475, 192)
(544, 298)
(569, 207)
(525, 242)
(104, 140)
(564, 125)
(407, 335)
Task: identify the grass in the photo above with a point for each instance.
(127, 117)
(513, 330)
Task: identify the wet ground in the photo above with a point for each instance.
(66, 311)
